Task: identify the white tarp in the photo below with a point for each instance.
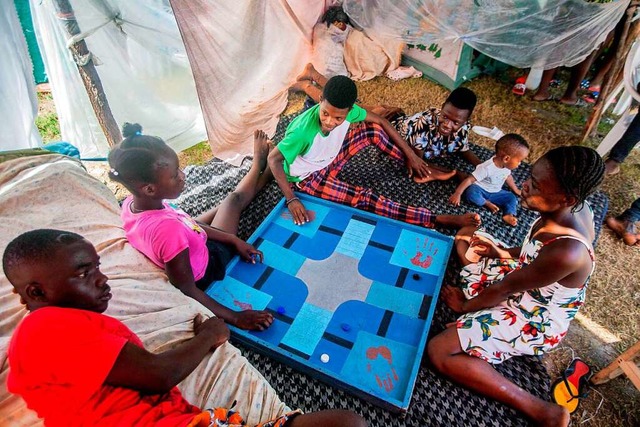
(18, 100)
(523, 33)
(143, 68)
(260, 48)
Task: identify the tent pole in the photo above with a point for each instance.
(626, 40)
(90, 78)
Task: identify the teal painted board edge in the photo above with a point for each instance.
(316, 371)
(466, 70)
(24, 14)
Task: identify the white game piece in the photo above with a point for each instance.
(324, 358)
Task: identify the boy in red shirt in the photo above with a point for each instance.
(75, 366)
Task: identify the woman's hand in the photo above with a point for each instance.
(454, 298)
(486, 248)
(247, 252)
(298, 212)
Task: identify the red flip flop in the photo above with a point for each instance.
(573, 385)
(520, 87)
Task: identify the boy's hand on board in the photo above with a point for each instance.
(298, 212)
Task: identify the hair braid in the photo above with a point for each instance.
(579, 170)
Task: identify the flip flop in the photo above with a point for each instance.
(573, 385)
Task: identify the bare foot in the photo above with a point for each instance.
(611, 167)
(301, 85)
(569, 101)
(458, 221)
(510, 219)
(554, 416)
(541, 96)
(436, 175)
(624, 229)
(307, 73)
(493, 208)
(261, 147)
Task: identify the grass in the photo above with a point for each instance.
(47, 120)
(613, 297)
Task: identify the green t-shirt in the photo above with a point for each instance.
(306, 149)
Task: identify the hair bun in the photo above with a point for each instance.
(130, 129)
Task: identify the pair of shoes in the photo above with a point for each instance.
(494, 133)
(403, 73)
(591, 98)
(573, 385)
(520, 87)
(578, 103)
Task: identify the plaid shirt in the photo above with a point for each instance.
(421, 131)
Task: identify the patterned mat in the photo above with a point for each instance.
(436, 401)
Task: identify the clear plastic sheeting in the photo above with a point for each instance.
(18, 100)
(244, 54)
(523, 33)
(141, 62)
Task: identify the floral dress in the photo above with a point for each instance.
(527, 323)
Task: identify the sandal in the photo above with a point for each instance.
(573, 385)
(520, 87)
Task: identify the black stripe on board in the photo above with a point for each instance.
(294, 351)
(381, 246)
(402, 276)
(330, 230)
(364, 219)
(263, 278)
(384, 324)
(290, 240)
(424, 307)
(337, 340)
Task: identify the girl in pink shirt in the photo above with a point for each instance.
(193, 252)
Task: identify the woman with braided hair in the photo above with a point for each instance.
(520, 301)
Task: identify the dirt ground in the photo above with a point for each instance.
(610, 320)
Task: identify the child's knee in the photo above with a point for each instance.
(236, 199)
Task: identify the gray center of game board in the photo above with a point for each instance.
(333, 281)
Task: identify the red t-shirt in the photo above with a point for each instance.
(59, 359)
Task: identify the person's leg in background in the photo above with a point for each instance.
(624, 225)
(623, 147)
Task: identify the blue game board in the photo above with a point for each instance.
(352, 294)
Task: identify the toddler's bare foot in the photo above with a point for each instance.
(308, 73)
(458, 221)
(510, 219)
(624, 229)
(436, 175)
(493, 208)
(261, 147)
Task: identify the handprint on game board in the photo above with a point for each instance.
(382, 362)
(424, 248)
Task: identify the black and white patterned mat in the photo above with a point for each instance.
(436, 401)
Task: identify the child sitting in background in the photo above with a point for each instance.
(484, 186)
(194, 253)
(75, 366)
